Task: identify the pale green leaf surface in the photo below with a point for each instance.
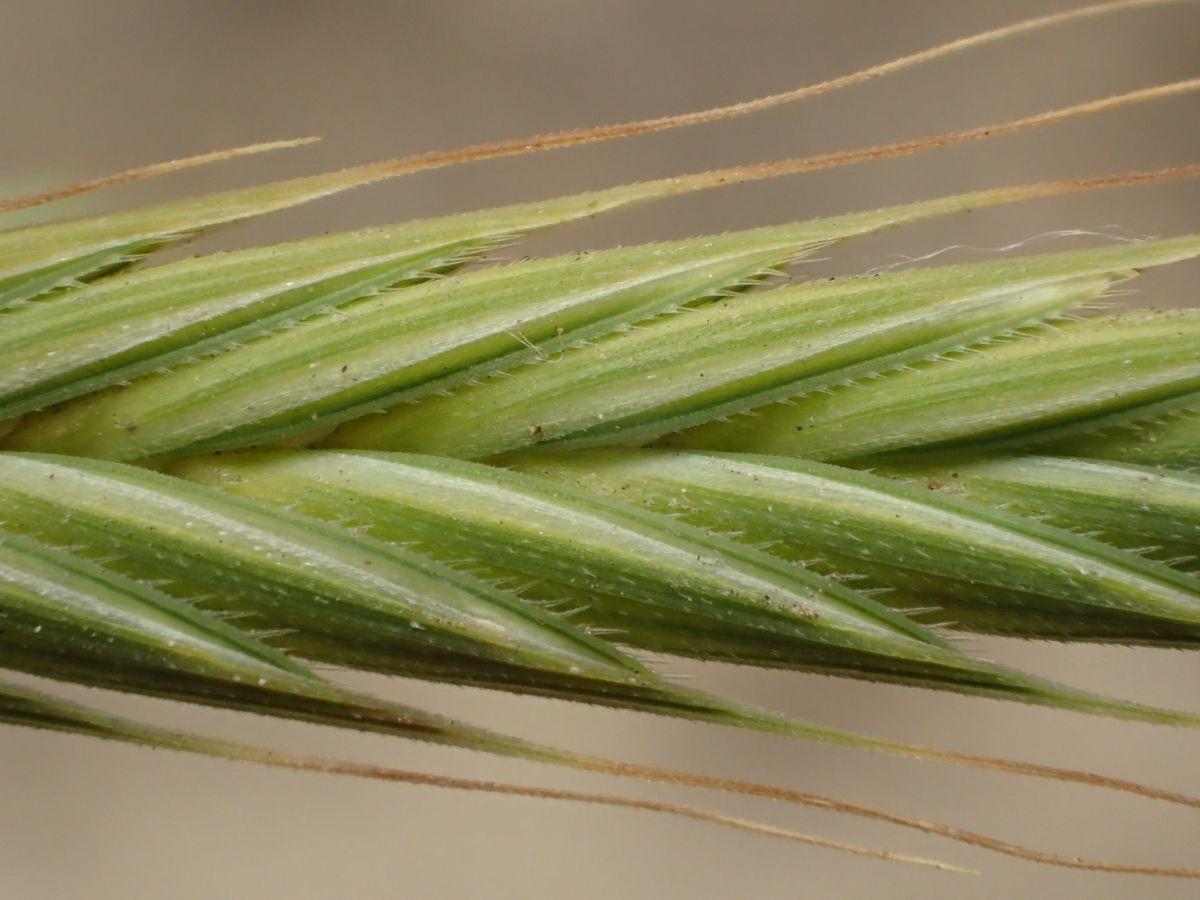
(1026, 392)
(744, 352)
(370, 355)
(658, 584)
(41, 258)
(1153, 510)
(69, 618)
(395, 348)
(572, 544)
(123, 328)
(38, 259)
(107, 664)
(325, 593)
(1165, 433)
(335, 596)
(977, 563)
(60, 602)
(318, 577)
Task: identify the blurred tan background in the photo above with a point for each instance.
(86, 88)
